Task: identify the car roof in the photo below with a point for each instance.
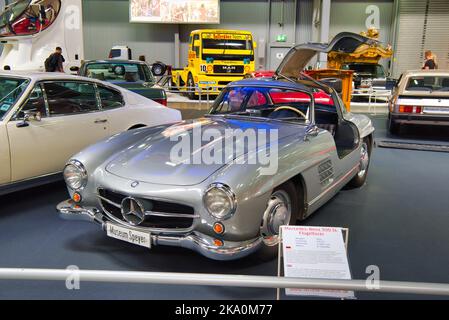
(434, 72)
(38, 75)
(270, 82)
(115, 61)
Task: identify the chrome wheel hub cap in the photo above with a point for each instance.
(364, 160)
(277, 214)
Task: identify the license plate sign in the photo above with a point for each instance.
(436, 110)
(139, 238)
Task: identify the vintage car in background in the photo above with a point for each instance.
(133, 75)
(131, 186)
(420, 97)
(47, 117)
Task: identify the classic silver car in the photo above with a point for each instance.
(420, 97)
(137, 190)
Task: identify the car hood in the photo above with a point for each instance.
(298, 57)
(158, 158)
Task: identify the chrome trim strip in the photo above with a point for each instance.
(170, 215)
(110, 202)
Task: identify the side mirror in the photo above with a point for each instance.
(311, 131)
(254, 44)
(29, 115)
(74, 69)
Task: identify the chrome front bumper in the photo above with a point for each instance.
(195, 241)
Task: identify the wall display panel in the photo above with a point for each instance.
(175, 11)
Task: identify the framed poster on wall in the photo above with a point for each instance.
(175, 11)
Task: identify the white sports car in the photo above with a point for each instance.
(47, 117)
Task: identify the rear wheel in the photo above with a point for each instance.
(365, 154)
(393, 126)
(282, 209)
(190, 87)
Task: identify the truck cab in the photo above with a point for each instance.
(215, 58)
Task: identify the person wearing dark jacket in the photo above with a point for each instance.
(54, 62)
(430, 62)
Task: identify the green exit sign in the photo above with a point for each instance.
(281, 38)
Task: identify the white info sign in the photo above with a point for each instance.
(316, 253)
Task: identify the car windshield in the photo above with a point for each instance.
(120, 72)
(428, 83)
(268, 103)
(366, 69)
(10, 91)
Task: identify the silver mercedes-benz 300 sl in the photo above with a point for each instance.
(269, 153)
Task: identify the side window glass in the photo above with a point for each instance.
(110, 99)
(65, 98)
(196, 49)
(35, 103)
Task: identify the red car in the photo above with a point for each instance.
(320, 96)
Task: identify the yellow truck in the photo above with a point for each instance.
(216, 58)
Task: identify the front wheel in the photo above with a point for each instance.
(190, 87)
(282, 209)
(365, 154)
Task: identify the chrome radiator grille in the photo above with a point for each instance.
(157, 214)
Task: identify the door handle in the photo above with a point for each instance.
(101, 121)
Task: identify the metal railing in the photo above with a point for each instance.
(373, 95)
(201, 279)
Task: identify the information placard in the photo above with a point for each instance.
(315, 253)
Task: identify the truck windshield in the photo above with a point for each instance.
(428, 83)
(227, 44)
(10, 91)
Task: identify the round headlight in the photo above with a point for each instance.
(220, 201)
(75, 175)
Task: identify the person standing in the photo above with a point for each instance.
(54, 63)
(430, 62)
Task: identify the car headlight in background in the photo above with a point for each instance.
(75, 175)
(219, 201)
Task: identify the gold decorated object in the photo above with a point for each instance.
(363, 54)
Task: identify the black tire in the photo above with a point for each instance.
(158, 68)
(360, 178)
(290, 197)
(393, 126)
(190, 84)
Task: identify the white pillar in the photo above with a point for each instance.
(177, 50)
(325, 18)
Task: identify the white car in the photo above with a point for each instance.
(45, 118)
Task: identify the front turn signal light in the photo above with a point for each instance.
(76, 197)
(219, 228)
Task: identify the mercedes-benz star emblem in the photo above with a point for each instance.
(133, 211)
